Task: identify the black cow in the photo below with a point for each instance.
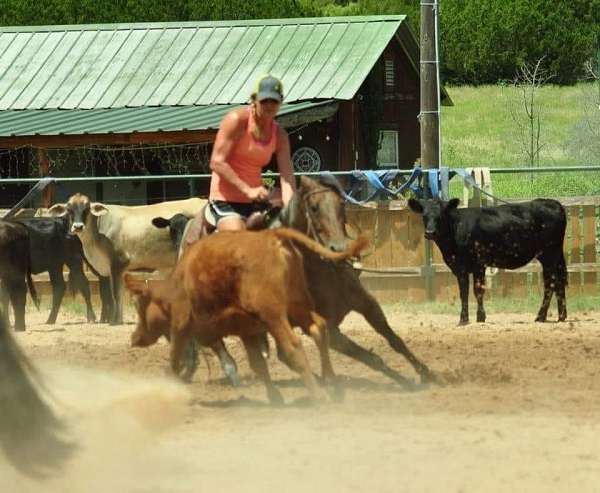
(506, 236)
(15, 269)
(52, 247)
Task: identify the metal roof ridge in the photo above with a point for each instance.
(191, 24)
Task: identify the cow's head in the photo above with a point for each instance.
(434, 214)
(78, 208)
(153, 317)
(318, 210)
(176, 226)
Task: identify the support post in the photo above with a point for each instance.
(429, 117)
(44, 170)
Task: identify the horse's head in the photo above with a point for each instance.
(318, 210)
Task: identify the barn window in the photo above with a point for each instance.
(387, 154)
(390, 79)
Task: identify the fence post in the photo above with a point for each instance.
(427, 271)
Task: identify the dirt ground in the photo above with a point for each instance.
(520, 412)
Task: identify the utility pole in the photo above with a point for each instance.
(430, 95)
(429, 117)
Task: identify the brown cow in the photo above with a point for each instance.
(240, 283)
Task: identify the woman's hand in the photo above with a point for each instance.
(257, 194)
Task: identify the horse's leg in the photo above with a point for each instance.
(259, 366)
(368, 307)
(343, 344)
(227, 362)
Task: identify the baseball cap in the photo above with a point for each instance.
(269, 87)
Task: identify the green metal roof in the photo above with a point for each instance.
(127, 120)
(186, 64)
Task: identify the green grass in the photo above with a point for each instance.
(528, 304)
(479, 130)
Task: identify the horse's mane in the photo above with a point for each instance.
(31, 435)
(330, 181)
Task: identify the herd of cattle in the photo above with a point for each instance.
(297, 272)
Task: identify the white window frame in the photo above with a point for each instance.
(390, 73)
(395, 134)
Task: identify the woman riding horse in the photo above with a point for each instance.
(244, 145)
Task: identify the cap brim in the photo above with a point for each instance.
(261, 96)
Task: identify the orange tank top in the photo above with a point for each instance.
(247, 158)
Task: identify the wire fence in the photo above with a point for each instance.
(141, 174)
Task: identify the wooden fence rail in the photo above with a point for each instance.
(397, 257)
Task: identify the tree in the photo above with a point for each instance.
(527, 110)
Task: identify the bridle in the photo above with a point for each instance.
(311, 230)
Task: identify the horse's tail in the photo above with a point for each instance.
(353, 249)
(30, 432)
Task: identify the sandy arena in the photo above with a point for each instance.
(520, 412)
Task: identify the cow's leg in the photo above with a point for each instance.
(316, 327)
(555, 280)
(295, 357)
(117, 285)
(227, 362)
(17, 291)
(463, 287)
(80, 283)
(318, 331)
(368, 307)
(561, 283)
(58, 291)
(107, 299)
(259, 366)
(179, 339)
(549, 274)
(479, 291)
(4, 301)
(343, 344)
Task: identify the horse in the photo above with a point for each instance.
(318, 210)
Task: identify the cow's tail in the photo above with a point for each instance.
(30, 285)
(353, 249)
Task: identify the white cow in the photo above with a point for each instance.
(118, 238)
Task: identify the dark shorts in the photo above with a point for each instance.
(223, 210)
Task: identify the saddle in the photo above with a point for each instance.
(204, 224)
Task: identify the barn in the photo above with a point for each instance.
(147, 99)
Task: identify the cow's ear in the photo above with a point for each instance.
(452, 204)
(98, 209)
(57, 210)
(415, 206)
(160, 222)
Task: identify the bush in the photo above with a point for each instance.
(484, 41)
